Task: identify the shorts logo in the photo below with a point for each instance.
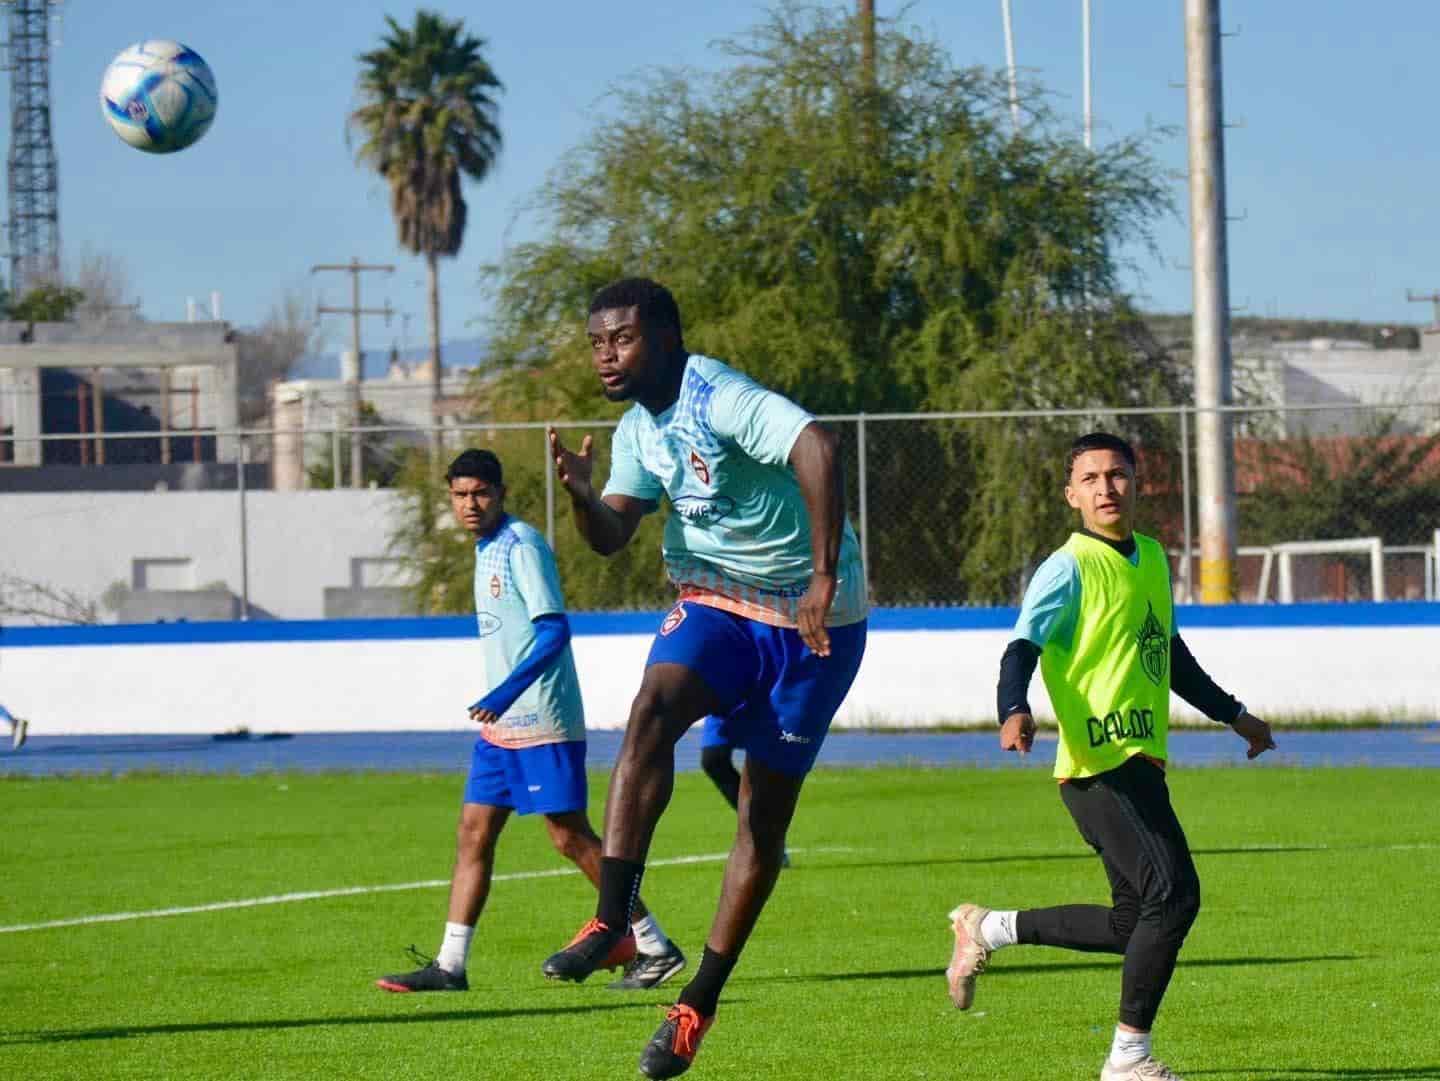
(494, 585)
(791, 737)
(673, 620)
(702, 470)
(533, 787)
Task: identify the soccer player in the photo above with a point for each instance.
(768, 630)
(19, 728)
(1097, 617)
(530, 758)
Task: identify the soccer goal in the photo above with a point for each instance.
(1325, 570)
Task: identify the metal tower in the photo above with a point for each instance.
(34, 227)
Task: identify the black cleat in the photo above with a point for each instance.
(429, 977)
(673, 1047)
(596, 946)
(649, 970)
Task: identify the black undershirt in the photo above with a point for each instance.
(1187, 678)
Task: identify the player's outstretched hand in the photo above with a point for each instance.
(1255, 732)
(814, 607)
(574, 470)
(1018, 733)
(484, 716)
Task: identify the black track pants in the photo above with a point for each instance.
(1125, 815)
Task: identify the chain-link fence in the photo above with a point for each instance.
(1332, 503)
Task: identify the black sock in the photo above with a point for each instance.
(619, 887)
(702, 994)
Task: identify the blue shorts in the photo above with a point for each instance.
(716, 732)
(548, 779)
(777, 697)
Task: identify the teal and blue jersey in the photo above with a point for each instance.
(738, 535)
(516, 581)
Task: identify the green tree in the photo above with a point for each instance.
(381, 462)
(47, 303)
(885, 248)
(426, 122)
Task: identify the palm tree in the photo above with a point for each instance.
(427, 119)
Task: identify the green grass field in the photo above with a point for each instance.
(1315, 955)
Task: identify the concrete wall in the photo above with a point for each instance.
(921, 668)
(300, 543)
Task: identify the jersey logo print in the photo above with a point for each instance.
(495, 585)
(702, 470)
(673, 620)
(1154, 647)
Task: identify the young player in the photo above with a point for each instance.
(19, 728)
(530, 758)
(1097, 616)
(768, 632)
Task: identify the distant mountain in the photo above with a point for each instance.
(461, 353)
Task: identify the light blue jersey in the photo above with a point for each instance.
(515, 581)
(738, 536)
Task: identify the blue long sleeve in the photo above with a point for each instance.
(552, 635)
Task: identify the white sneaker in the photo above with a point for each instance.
(971, 954)
(18, 734)
(1148, 1068)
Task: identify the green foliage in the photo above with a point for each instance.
(894, 248)
(381, 460)
(1383, 484)
(47, 303)
(438, 553)
(426, 121)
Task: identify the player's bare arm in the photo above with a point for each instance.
(606, 524)
(816, 461)
(1018, 733)
(1254, 732)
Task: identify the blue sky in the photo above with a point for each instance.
(1333, 171)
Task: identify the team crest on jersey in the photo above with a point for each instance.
(1154, 647)
(495, 585)
(702, 470)
(673, 620)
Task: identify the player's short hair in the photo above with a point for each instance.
(655, 304)
(480, 464)
(1098, 441)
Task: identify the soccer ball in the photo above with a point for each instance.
(159, 96)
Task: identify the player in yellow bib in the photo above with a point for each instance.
(1098, 617)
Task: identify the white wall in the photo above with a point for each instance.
(909, 678)
(299, 542)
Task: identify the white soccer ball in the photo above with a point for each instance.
(159, 96)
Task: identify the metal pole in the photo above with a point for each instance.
(1089, 68)
(1211, 329)
(864, 503)
(1189, 549)
(357, 468)
(1010, 65)
(335, 449)
(244, 533)
(549, 491)
(97, 395)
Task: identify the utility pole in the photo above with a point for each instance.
(1211, 292)
(867, 42)
(355, 268)
(34, 225)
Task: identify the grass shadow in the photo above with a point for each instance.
(1042, 857)
(1063, 966)
(1297, 1073)
(125, 1032)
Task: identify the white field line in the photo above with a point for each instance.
(351, 891)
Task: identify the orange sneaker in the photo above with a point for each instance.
(675, 1043)
(595, 946)
(970, 956)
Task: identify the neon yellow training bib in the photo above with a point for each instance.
(1110, 684)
